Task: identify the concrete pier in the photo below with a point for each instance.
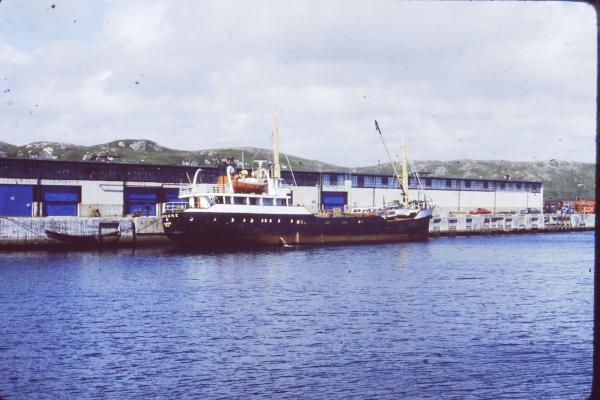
(61, 232)
(465, 224)
(104, 232)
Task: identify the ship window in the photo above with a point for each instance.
(232, 219)
(291, 221)
(253, 201)
(239, 200)
(267, 201)
(251, 220)
(226, 200)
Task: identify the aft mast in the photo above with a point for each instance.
(401, 179)
(404, 172)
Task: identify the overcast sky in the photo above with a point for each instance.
(481, 80)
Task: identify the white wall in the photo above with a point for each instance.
(107, 196)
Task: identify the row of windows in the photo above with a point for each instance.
(252, 201)
(44, 169)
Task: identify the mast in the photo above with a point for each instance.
(276, 165)
(404, 172)
(394, 167)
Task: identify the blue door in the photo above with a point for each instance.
(60, 200)
(16, 200)
(141, 200)
(331, 200)
(171, 195)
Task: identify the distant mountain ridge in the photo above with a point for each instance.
(562, 179)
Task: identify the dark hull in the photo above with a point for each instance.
(208, 230)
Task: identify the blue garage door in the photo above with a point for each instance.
(140, 200)
(60, 200)
(16, 200)
(171, 195)
(331, 200)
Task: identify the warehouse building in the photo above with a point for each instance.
(37, 188)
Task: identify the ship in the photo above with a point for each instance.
(255, 209)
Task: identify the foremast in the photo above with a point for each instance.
(402, 179)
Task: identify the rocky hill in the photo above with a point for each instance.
(562, 179)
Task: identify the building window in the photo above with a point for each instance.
(340, 180)
(354, 180)
(477, 185)
(325, 180)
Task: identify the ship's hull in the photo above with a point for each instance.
(207, 229)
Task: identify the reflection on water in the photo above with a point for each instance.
(481, 317)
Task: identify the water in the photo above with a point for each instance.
(481, 317)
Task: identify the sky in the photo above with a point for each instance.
(480, 80)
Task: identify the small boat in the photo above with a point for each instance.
(83, 240)
(255, 183)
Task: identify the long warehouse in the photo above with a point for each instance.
(38, 187)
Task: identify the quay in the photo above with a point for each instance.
(46, 233)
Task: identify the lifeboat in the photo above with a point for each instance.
(240, 186)
(242, 183)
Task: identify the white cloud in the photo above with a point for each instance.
(489, 80)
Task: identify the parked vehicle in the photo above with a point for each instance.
(529, 211)
(479, 211)
(567, 209)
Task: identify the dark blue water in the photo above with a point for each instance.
(482, 317)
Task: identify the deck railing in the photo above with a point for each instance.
(175, 206)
